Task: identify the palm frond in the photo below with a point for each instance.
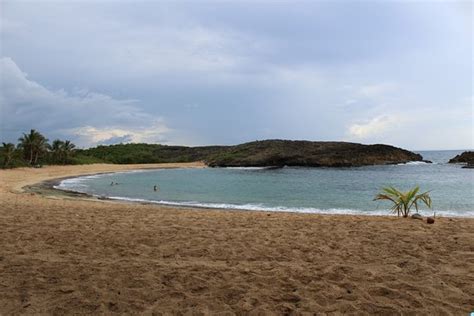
(404, 201)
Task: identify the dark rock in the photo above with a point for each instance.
(430, 220)
(466, 157)
(417, 216)
(309, 154)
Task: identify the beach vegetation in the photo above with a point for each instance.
(61, 151)
(8, 149)
(403, 202)
(34, 150)
(34, 146)
(67, 149)
(56, 150)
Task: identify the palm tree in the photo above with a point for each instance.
(26, 143)
(403, 201)
(57, 150)
(34, 145)
(8, 150)
(67, 148)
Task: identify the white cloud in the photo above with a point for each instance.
(87, 118)
(373, 127)
(107, 135)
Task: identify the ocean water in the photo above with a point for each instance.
(308, 190)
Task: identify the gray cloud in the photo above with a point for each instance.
(224, 72)
(87, 117)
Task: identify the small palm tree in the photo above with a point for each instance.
(8, 150)
(404, 201)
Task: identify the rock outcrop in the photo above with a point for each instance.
(466, 157)
(279, 153)
(266, 153)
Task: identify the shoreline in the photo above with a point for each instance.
(47, 188)
(72, 255)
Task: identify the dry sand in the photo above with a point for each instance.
(68, 256)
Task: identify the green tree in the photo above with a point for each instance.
(34, 145)
(8, 150)
(57, 150)
(404, 201)
(67, 149)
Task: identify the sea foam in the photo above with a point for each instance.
(304, 210)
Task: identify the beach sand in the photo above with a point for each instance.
(65, 255)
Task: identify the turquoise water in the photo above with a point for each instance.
(310, 190)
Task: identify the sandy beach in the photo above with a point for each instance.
(71, 255)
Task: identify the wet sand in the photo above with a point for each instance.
(64, 254)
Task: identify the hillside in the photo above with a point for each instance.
(310, 154)
(258, 153)
(148, 153)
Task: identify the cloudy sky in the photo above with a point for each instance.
(226, 72)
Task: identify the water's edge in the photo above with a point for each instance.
(52, 187)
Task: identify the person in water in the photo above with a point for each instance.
(155, 188)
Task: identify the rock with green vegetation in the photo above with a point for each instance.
(34, 149)
(309, 154)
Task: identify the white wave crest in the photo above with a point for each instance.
(414, 163)
(305, 210)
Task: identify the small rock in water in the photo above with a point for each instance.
(430, 220)
(417, 216)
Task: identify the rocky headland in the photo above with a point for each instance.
(280, 153)
(466, 157)
(266, 153)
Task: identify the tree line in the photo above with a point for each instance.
(33, 149)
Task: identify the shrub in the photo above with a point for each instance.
(404, 201)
